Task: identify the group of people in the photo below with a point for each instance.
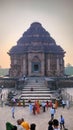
(21, 125)
(55, 124)
(37, 106)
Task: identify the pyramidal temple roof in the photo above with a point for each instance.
(36, 33)
(36, 38)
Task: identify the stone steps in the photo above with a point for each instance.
(34, 85)
(36, 92)
(35, 98)
(36, 95)
(36, 89)
(40, 90)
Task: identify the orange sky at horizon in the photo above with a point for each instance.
(16, 16)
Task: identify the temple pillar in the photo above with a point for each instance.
(42, 65)
(24, 67)
(29, 64)
(48, 64)
(58, 66)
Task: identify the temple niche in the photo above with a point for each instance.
(36, 54)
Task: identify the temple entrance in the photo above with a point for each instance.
(36, 67)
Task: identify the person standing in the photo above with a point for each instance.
(62, 122)
(43, 105)
(67, 104)
(50, 104)
(13, 112)
(37, 106)
(1, 101)
(30, 107)
(63, 103)
(23, 103)
(19, 127)
(47, 104)
(52, 112)
(25, 124)
(56, 104)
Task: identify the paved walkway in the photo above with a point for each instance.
(41, 119)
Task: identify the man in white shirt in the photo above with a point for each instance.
(52, 112)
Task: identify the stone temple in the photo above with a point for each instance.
(36, 54)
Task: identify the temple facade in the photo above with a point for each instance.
(36, 54)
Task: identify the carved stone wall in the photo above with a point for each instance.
(37, 64)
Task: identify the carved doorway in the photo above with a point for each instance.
(36, 65)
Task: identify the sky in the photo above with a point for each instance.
(16, 16)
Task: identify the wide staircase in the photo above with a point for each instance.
(36, 89)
